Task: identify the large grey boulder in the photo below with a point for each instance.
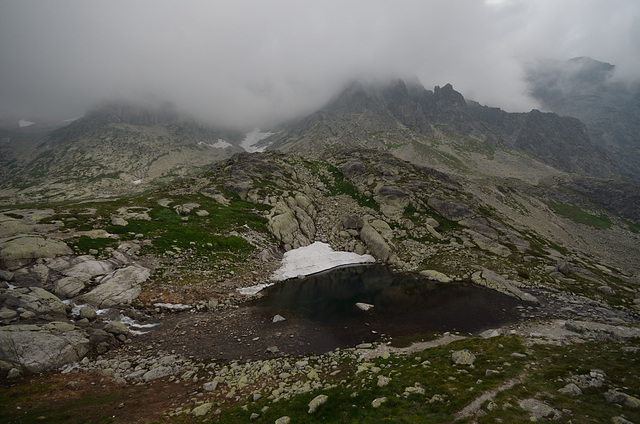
(493, 280)
(37, 348)
(292, 226)
(90, 268)
(81, 273)
(68, 287)
(20, 251)
(34, 299)
(119, 287)
(376, 244)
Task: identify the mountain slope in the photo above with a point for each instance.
(440, 128)
(117, 149)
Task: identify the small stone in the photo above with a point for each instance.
(383, 381)
(13, 373)
(253, 416)
(364, 306)
(463, 357)
(283, 420)
(316, 402)
(620, 420)
(278, 318)
(210, 386)
(201, 410)
(377, 402)
(413, 390)
(571, 389)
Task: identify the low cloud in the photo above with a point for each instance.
(254, 63)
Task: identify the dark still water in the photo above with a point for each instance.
(404, 305)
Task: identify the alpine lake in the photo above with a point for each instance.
(406, 307)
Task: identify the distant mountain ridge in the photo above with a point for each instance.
(396, 114)
(116, 149)
(120, 148)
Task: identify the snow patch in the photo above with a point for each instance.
(252, 138)
(250, 291)
(24, 123)
(220, 144)
(133, 326)
(315, 258)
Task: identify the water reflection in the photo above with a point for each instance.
(403, 304)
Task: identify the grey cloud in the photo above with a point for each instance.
(255, 62)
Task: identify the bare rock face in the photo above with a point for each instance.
(37, 348)
(22, 250)
(119, 287)
(292, 224)
(34, 299)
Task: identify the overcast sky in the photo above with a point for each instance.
(253, 62)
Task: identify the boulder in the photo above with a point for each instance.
(68, 287)
(571, 389)
(89, 268)
(201, 410)
(119, 287)
(284, 225)
(352, 222)
(493, 280)
(538, 408)
(463, 357)
(621, 398)
(316, 402)
(435, 276)
(22, 250)
(37, 348)
(34, 299)
(364, 306)
(375, 243)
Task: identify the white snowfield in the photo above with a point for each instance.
(253, 138)
(316, 257)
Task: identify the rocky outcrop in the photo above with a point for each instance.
(455, 211)
(492, 280)
(119, 287)
(36, 348)
(22, 250)
(291, 221)
(376, 244)
(34, 299)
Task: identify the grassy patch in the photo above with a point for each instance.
(576, 214)
(83, 244)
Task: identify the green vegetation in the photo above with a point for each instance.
(576, 214)
(338, 184)
(84, 244)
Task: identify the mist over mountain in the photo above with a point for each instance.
(592, 91)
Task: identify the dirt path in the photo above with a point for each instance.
(475, 405)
